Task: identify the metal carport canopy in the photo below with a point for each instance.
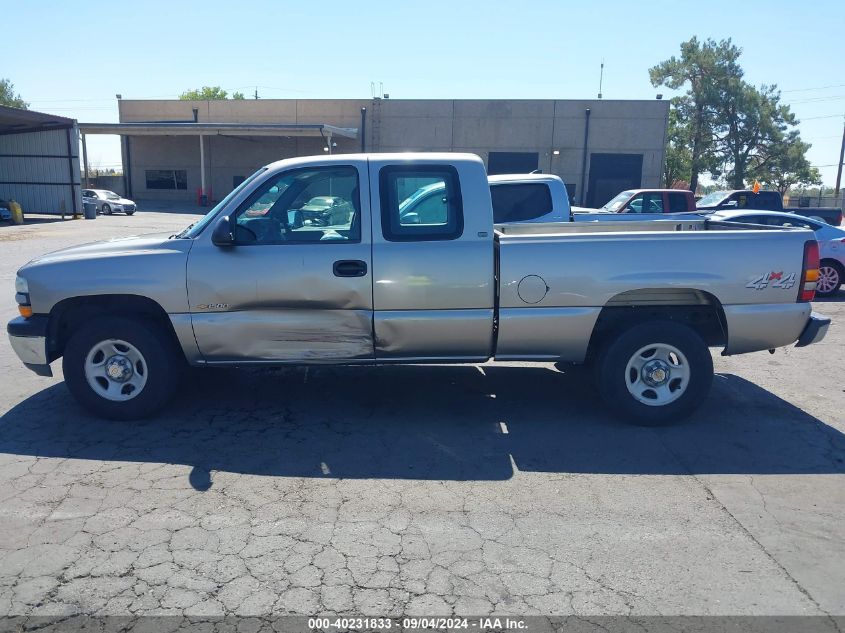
(39, 165)
(221, 129)
(203, 129)
(17, 121)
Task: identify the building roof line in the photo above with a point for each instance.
(160, 128)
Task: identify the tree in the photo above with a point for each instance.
(678, 163)
(703, 68)
(753, 127)
(238, 95)
(787, 166)
(207, 93)
(8, 96)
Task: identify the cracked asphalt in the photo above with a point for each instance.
(419, 490)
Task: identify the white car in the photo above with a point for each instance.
(831, 242)
(108, 202)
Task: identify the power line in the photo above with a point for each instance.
(826, 116)
(817, 99)
(816, 88)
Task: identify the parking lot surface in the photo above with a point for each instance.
(419, 490)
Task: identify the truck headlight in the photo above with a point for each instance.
(22, 297)
(21, 285)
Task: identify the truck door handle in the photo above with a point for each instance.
(350, 268)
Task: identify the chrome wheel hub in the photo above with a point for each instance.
(119, 368)
(656, 373)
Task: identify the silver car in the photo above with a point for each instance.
(831, 242)
(108, 202)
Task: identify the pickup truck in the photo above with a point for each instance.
(744, 199)
(641, 303)
(648, 201)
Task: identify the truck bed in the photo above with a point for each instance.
(554, 279)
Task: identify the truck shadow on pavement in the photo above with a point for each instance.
(419, 422)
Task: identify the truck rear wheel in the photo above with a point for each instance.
(121, 368)
(655, 373)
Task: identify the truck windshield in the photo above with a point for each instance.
(713, 199)
(620, 199)
(196, 228)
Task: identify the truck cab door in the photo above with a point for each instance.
(433, 274)
(295, 285)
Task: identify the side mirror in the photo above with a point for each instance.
(222, 234)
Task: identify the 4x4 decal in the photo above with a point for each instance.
(775, 279)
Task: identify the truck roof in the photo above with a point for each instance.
(635, 191)
(398, 157)
(522, 178)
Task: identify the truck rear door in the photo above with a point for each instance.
(433, 272)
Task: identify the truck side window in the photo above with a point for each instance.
(316, 204)
(420, 203)
(518, 203)
(677, 203)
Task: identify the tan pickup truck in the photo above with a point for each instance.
(253, 282)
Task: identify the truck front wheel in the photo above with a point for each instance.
(121, 368)
(655, 373)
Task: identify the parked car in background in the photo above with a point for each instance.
(108, 202)
(831, 241)
(325, 211)
(5, 211)
(648, 201)
(746, 199)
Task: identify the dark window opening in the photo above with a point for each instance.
(512, 162)
(167, 179)
(610, 174)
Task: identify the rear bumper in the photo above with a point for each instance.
(29, 340)
(814, 331)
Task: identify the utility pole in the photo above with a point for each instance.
(841, 157)
(601, 76)
(256, 92)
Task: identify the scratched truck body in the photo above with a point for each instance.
(259, 281)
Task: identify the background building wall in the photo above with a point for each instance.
(394, 125)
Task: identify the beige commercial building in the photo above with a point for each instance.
(181, 149)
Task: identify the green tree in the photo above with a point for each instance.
(678, 163)
(787, 166)
(753, 127)
(238, 95)
(8, 96)
(703, 67)
(206, 93)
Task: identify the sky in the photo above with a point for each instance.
(71, 58)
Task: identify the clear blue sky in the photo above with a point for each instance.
(71, 58)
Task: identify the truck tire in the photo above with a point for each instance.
(654, 373)
(830, 278)
(121, 368)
